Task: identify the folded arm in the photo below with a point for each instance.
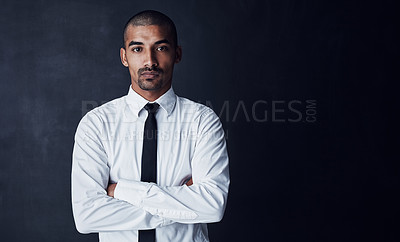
(93, 210)
(202, 202)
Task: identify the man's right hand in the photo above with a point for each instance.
(190, 182)
(110, 189)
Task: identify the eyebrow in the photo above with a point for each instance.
(135, 43)
(163, 41)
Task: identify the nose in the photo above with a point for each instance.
(150, 59)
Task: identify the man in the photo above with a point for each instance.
(149, 165)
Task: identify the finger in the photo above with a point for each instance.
(190, 182)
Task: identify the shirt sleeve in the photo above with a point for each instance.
(93, 209)
(202, 202)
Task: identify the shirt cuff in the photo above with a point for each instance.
(132, 191)
(147, 196)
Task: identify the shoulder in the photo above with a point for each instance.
(103, 113)
(109, 108)
(198, 111)
(195, 107)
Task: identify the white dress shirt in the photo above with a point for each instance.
(108, 149)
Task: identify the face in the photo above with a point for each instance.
(150, 55)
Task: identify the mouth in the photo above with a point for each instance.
(149, 74)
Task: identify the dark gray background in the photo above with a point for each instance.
(336, 179)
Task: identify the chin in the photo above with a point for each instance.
(150, 87)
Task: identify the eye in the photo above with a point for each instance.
(137, 49)
(162, 48)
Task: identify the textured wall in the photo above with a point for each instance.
(303, 89)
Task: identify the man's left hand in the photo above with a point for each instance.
(110, 189)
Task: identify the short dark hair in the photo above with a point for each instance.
(152, 17)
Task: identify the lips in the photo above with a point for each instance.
(149, 74)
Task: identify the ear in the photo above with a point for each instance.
(178, 54)
(122, 53)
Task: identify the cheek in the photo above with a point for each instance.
(169, 64)
(132, 64)
(133, 60)
(133, 72)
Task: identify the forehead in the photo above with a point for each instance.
(147, 33)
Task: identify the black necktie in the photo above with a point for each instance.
(149, 160)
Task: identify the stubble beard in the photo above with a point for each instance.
(150, 84)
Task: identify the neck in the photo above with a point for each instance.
(150, 95)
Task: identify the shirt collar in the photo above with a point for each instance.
(167, 101)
